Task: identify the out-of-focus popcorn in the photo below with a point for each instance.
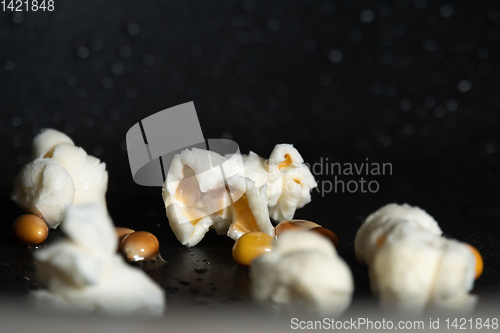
(412, 267)
(84, 273)
(61, 174)
(303, 272)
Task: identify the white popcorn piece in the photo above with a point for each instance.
(201, 191)
(289, 181)
(84, 273)
(61, 174)
(47, 140)
(44, 188)
(412, 268)
(88, 173)
(391, 219)
(303, 272)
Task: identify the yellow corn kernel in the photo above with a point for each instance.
(250, 246)
(479, 261)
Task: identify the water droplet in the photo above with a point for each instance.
(408, 129)
(83, 52)
(386, 141)
(255, 35)
(72, 81)
(385, 10)
(16, 121)
(420, 4)
(18, 17)
(420, 111)
(492, 14)
(309, 45)
(429, 102)
(115, 114)
(125, 51)
(324, 80)
(69, 129)
(175, 77)
(376, 89)
(429, 45)
(41, 23)
(273, 24)
(196, 50)
(405, 105)
(88, 121)
(366, 15)
(249, 5)
(81, 93)
(133, 29)
(482, 54)
(242, 38)
(149, 59)
(282, 90)
(98, 151)
(451, 105)
(386, 58)
(238, 21)
(9, 65)
(335, 56)
(117, 68)
(490, 148)
(107, 83)
(131, 93)
(446, 11)
(16, 141)
(95, 109)
(355, 36)
(464, 86)
(201, 270)
(326, 7)
(439, 112)
(57, 118)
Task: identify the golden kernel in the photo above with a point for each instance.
(294, 225)
(140, 245)
(328, 234)
(250, 246)
(30, 229)
(479, 261)
(121, 234)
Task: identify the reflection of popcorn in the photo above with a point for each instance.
(289, 181)
(302, 272)
(204, 189)
(84, 273)
(411, 266)
(61, 174)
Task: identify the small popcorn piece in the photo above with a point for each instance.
(302, 272)
(289, 181)
(205, 190)
(83, 273)
(60, 175)
(412, 267)
(44, 188)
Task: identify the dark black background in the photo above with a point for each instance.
(411, 83)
